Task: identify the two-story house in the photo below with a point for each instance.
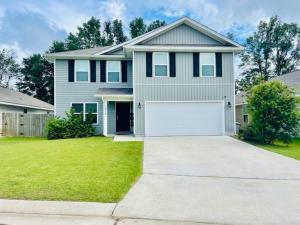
(175, 80)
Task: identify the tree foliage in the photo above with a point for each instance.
(155, 24)
(274, 112)
(271, 51)
(137, 27)
(37, 78)
(9, 68)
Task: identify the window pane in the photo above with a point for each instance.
(82, 76)
(113, 66)
(161, 58)
(91, 108)
(207, 58)
(82, 65)
(245, 109)
(92, 118)
(78, 107)
(113, 77)
(161, 71)
(208, 71)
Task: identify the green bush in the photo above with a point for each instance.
(273, 112)
(247, 134)
(72, 126)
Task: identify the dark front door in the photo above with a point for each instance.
(123, 116)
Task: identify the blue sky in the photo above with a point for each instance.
(30, 26)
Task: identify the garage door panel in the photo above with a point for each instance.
(184, 118)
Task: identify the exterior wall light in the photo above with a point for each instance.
(229, 104)
(139, 105)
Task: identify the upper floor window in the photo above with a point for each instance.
(113, 71)
(81, 70)
(207, 64)
(161, 64)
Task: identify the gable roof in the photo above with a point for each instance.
(161, 30)
(291, 79)
(15, 98)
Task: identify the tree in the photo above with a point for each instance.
(119, 36)
(37, 78)
(108, 36)
(9, 69)
(73, 42)
(155, 24)
(137, 27)
(89, 34)
(57, 46)
(273, 112)
(271, 51)
(286, 47)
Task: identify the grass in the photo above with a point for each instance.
(87, 169)
(292, 150)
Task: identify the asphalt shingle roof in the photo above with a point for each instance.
(81, 52)
(14, 97)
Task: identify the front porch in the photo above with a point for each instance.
(117, 110)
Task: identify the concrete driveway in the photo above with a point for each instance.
(217, 180)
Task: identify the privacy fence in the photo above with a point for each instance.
(26, 125)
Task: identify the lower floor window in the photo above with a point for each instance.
(88, 111)
(245, 118)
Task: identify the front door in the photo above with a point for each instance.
(123, 116)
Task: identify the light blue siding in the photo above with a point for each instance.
(183, 87)
(182, 35)
(111, 118)
(68, 92)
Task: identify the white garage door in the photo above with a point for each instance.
(184, 118)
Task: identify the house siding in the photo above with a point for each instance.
(183, 87)
(182, 35)
(68, 92)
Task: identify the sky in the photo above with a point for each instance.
(30, 26)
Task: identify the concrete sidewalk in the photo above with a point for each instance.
(57, 208)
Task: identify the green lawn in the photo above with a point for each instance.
(292, 150)
(87, 169)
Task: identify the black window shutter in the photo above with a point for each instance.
(172, 64)
(71, 70)
(218, 64)
(93, 70)
(196, 64)
(148, 64)
(102, 71)
(124, 71)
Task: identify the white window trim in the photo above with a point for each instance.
(84, 113)
(120, 76)
(154, 64)
(201, 64)
(89, 69)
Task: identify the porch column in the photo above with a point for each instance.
(105, 118)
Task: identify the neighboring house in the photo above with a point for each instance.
(292, 80)
(17, 102)
(175, 80)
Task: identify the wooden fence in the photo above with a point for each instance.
(27, 125)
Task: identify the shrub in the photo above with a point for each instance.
(247, 134)
(72, 126)
(273, 112)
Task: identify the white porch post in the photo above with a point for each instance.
(104, 117)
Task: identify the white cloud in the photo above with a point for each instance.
(59, 15)
(170, 13)
(112, 9)
(17, 51)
